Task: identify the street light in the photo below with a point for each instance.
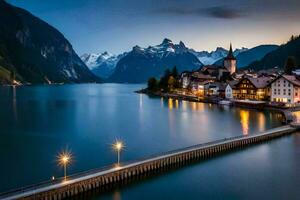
(118, 146)
(64, 159)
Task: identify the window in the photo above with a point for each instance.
(289, 85)
(289, 94)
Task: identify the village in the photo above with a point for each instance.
(273, 88)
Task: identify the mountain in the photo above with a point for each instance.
(248, 56)
(101, 64)
(141, 63)
(278, 57)
(35, 51)
(208, 58)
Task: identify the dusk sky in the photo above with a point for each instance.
(94, 26)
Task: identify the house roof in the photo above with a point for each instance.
(290, 78)
(260, 82)
(232, 83)
(200, 75)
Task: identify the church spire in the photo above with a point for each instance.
(230, 49)
(230, 53)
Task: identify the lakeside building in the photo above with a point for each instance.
(250, 88)
(230, 88)
(286, 89)
(297, 72)
(226, 82)
(190, 79)
(214, 89)
(195, 81)
(216, 71)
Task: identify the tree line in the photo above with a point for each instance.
(166, 83)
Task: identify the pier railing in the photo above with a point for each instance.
(84, 181)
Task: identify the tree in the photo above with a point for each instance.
(171, 82)
(167, 73)
(175, 72)
(152, 84)
(163, 82)
(290, 65)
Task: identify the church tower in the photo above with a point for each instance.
(230, 61)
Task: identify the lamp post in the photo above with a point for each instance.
(118, 146)
(64, 159)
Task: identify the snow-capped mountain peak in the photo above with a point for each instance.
(101, 64)
(166, 41)
(208, 58)
(104, 64)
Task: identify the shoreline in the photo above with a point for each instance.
(285, 111)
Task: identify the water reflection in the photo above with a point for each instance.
(261, 122)
(116, 195)
(170, 103)
(176, 104)
(14, 99)
(141, 100)
(184, 105)
(297, 116)
(244, 115)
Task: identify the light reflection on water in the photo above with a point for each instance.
(244, 115)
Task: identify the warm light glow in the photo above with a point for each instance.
(118, 145)
(244, 114)
(170, 103)
(296, 115)
(64, 158)
(176, 104)
(261, 122)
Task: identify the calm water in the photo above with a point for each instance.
(39, 122)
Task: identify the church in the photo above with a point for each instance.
(230, 61)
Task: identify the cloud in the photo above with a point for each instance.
(222, 12)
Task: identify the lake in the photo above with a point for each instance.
(39, 122)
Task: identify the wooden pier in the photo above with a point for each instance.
(109, 176)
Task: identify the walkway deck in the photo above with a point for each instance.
(60, 189)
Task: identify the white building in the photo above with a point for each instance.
(185, 77)
(286, 89)
(229, 89)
